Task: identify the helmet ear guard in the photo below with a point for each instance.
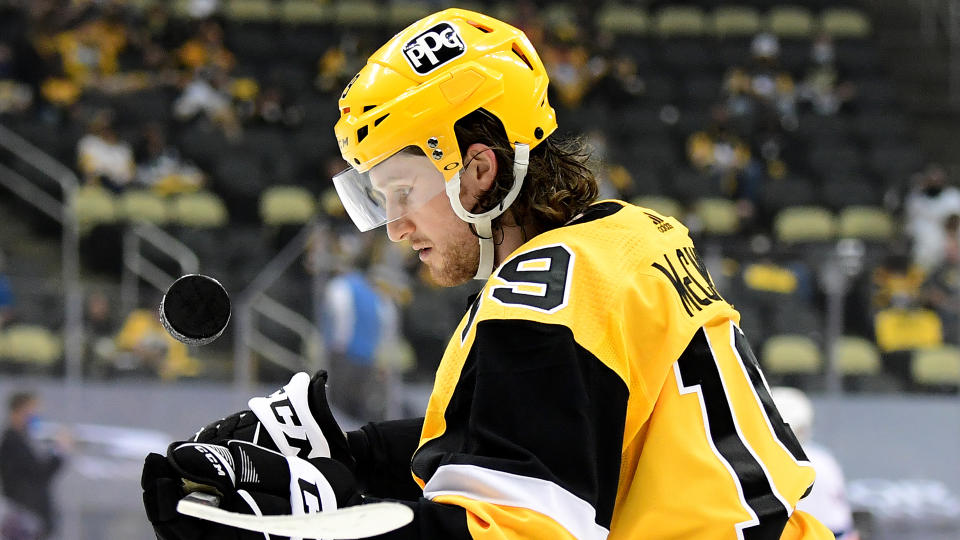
(484, 220)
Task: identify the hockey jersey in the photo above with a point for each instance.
(599, 387)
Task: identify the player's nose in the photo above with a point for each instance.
(399, 229)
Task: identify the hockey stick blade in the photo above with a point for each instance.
(351, 522)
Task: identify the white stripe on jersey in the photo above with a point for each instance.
(574, 514)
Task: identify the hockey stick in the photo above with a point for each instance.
(351, 522)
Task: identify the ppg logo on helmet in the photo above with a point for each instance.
(434, 48)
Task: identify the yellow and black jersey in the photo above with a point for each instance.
(599, 387)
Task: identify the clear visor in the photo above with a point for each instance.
(392, 190)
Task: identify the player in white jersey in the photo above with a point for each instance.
(828, 499)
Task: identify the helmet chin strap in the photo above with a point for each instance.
(483, 222)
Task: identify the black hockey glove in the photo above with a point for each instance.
(295, 420)
(247, 479)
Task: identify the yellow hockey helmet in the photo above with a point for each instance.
(412, 91)
(431, 74)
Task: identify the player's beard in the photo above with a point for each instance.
(455, 261)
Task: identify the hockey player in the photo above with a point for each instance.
(597, 387)
(827, 500)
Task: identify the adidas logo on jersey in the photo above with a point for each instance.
(433, 48)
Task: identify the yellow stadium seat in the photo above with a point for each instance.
(845, 22)
(677, 21)
(623, 19)
(664, 205)
(32, 345)
(95, 206)
(305, 12)
(735, 21)
(790, 21)
(797, 224)
(938, 366)
(769, 277)
(856, 356)
(249, 10)
(142, 205)
(866, 223)
(789, 354)
(199, 210)
(718, 216)
(907, 329)
(287, 205)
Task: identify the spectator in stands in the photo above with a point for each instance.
(274, 107)
(144, 348)
(60, 94)
(725, 157)
(90, 51)
(357, 319)
(901, 322)
(339, 62)
(619, 83)
(762, 87)
(822, 88)
(104, 159)
(6, 296)
(897, 282)
(208, 93)
(827, 500)
(27, 472)
(160, 166)
(572, 69)
(206, 49)
(928, 205)
(942, 288)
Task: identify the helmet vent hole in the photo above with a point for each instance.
(519, 53)
(361, 133)
(368, 107)
(480, 27)
(381, 119)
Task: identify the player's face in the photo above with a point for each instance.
(444, 242)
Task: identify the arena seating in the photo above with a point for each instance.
(275, 173)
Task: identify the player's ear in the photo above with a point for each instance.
(480, 172)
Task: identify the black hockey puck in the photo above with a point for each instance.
(195, 309)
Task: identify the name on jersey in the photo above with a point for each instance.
(689, 276)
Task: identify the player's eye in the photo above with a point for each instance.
(402, 195)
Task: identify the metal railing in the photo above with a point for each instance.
(65, 214)
(254, 301)
(135, 265)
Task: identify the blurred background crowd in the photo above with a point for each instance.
(778, 133)
(806, 145)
